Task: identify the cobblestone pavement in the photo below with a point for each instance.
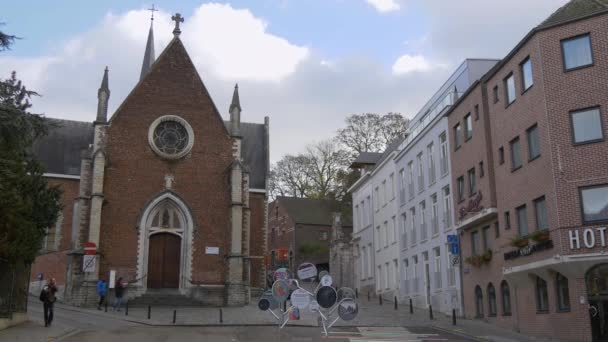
(71, 320)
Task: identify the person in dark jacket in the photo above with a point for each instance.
(102, 288)
(48, 298)
(119, 292)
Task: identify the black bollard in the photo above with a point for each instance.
(453, 316)
(221, 316)
(106, 306)
(380, 299)
(368, 296)
(357, 293)
(411, 307)
(396, 305)
(174, 315)
(127, 308)
(431, 312)
(149, 311)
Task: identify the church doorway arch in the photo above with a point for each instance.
(165, 241)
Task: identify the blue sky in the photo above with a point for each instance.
(307, 64)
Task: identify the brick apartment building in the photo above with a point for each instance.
(173, 196)
(303, 228)
(530, 172)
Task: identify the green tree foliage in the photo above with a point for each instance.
(28, 205)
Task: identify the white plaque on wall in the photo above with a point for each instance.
(212, 250)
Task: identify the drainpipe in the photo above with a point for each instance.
(461, 276)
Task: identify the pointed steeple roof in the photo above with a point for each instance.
(105, 86)
(149, 54)
(236, 103)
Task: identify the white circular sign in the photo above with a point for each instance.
(307, 271)
(326, 280)
(300, 299)
(348, 309)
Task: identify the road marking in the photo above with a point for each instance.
(384, 334)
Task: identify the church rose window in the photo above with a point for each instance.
(171, 137)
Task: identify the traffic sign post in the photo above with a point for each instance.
(90, 248)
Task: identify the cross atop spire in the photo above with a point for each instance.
(178, 19)
(152, 10)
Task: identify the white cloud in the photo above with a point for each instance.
(407, 63)
(384, 6)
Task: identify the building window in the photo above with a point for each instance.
(363, 263)
(510, 89)
(522, 220)
(540, 209)
(413, 224)
(505, 295)
(434, 215)
(457, 136)
(515, 154)
(394, 229)
(563, 295)
(577, 52)
(594, 200)
(431, 162)
(491, 300)
(587, 126)
(437, 275)
(487, 241)
(475, 243)
(526, 74)
(420, 172)
(533, 142)
(478, 302)
(378, 238)
(423, 231)
(468, 127)
(460, 189)
(481, 170)
(542, 296)
(379, 278)
(377, 198)
(495, 92)
(507, 220)
(476, 112)
(501, 155)
(410, 171)
(391, 184)
(395, 273)
(403, 224)
(443, 140)
(447, 207)
(472, 182)
(496, 230)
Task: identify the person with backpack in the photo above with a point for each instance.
(119, 291)
(102, 288)
(48, 298)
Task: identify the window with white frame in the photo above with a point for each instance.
(378, 240)
(363, 262)
(423, 231)
(406, 275)
(394, 229)
(384, 195)
(413, 225)
(420, 172)
(437, 252)
(434, 215)
(379, 278)
(447, 207)
(410, 175)
(385, 234)
(387, 276)
(443, 140)
(357, 218)
(431, 162)
(391, 184)
(370, 262)
(396, 273)
(376, 198)
(403, 224)
(402, 186)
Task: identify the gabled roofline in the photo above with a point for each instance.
(153, 67)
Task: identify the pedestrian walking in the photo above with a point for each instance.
(102, 288)
(48, 298)
(119, 291)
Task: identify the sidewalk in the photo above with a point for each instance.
(371, 314)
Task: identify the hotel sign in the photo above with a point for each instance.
(588, 237)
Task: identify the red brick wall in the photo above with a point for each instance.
(135, 174)
(54, 264)
(257, 203)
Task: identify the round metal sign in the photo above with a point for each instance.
(322, 274)
(280, 290)
(348, 309)
(346, 292)
(264, 304)
(300, 299)
(281, 273)
(327, 280)
(326, 297)
(307, 271)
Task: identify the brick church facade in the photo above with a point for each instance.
(173, 196)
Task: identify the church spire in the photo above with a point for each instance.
(235, 113)
(149, 54)
(103, 95)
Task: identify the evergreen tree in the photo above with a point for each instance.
(28, 205)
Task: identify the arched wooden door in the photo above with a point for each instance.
(163, 261)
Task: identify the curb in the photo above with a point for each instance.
(67, 334)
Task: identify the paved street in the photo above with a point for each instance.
(374, 323)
